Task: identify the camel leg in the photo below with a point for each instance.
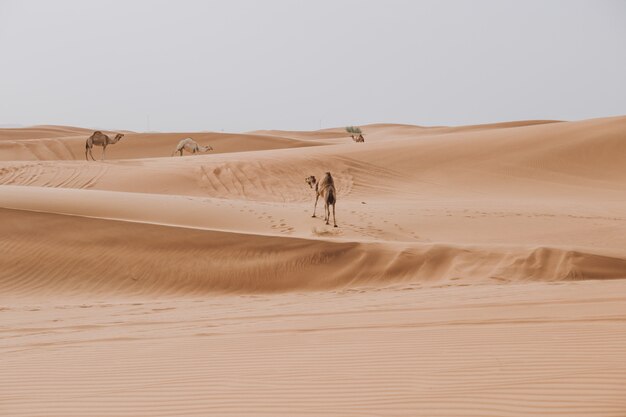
(88, 146)
(104, 148)
(326, 212)
(315, 206)
(91, 154)
(334, 217)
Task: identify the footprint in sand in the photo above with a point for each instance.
(327, 232)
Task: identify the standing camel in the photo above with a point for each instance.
(100, 139)
(190, 145)
(312, 181)
(326, 190)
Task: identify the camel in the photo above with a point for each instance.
(190, 145)
(312, 181)
(326, 190)
(355, 133)
(100, 139)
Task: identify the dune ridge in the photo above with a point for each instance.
(94, 258)
(57, 144)
(566, 158)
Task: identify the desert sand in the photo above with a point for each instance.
(476, 271)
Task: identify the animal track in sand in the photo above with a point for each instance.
(281, 225)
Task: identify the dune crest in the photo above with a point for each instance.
(96, 258)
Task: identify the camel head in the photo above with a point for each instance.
(311, 181)
(204, 148)
(118, 137)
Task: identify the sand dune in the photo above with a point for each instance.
(103, 258)
(56, 143)
(155, 285)
(530, 191)
(41, 132)
(555, 158)
(382, 131)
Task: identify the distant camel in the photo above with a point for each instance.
(325, 189)
(100, 139)
(355, 133)
(190, 145)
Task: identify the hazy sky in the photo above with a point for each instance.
(244, 65)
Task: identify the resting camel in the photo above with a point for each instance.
(354, 131)
(190, 145)
(325, 189)
(100, 139)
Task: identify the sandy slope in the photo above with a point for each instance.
(104, 258)
(484, 350)
(152, 285)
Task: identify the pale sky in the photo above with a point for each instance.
(242, 65)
